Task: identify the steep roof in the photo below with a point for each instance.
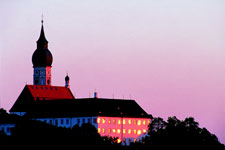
(87, 107)
(31, 93)
(50, 92)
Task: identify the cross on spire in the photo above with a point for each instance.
(42, 17)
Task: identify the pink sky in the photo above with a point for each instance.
(167, 55)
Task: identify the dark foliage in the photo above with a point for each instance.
(171, 134)
(29, 134)
(176, 134)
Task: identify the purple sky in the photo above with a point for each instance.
(168, 55)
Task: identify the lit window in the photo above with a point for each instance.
(129, 131)
(129, 121)
(109, 121)
(99, 130)
(118, 131)
(124, 121)
(103, 120)
(114, 130)
(103, 130)
(124, 131)
(119, 140)
(135, 122)
(98, 120)
(139, 122)
(135, 131)
(144, 122)
(114, 121)
(119, 122)
(139, 132)
(149, 122)
(109, 130)
(144, 131)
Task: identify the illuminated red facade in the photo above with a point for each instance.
(125, 129)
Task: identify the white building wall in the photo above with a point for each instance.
(6, 128)
(70, 122)
(18, 113)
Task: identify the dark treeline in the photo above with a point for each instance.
(177, 134)
(170, 134)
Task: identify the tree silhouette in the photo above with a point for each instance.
(176, 134)
(171, 134)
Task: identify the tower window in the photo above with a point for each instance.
(36, 81)
(48, 82)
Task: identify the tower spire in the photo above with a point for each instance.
(42, 21)
(42, 60)
(42, 42)
(67, 81)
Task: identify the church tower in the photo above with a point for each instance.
(42, 61)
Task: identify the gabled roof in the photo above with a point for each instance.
(31, 93)
(47, 92)
(87, 107)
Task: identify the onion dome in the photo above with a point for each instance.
(42, 57)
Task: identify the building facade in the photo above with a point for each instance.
(56, 105)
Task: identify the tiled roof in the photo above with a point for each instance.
(32, 93)
(47, 92)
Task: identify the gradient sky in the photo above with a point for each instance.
(168, 55)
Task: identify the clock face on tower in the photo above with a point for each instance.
(42, 72)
